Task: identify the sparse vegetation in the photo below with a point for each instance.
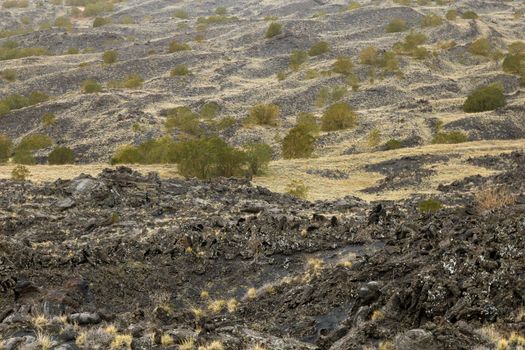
(13, 102)
(61, 155)
(469, 15)
(431, 20)
(9, 4)
(90, 86)
(6, 147)
(8, 75)
(396, 26)
(101, 21)
(181, 14)
(20, 173)
(430, 206)
(176, 46)
(451, 15)
(300, 140)
(210, 110)
(298, 189)
(274, 29)
(493, 198)
(297, 58)
(338, 116)
(264, 114)
(131, 81)
(180, 70)
(48, 120)
(343, 65)
(110, 57)
(319, 48)
(9, 50)
(485, 98)
(480, 47)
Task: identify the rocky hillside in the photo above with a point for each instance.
(232, 63)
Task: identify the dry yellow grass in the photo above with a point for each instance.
(493, 198)
(282, 172)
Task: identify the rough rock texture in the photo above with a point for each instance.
(136, 252)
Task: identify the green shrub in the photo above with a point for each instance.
(132, 81)
(16, 101)
(373, 138)
(180, 13)
(90, 86)
(63, 22)
(299, 142)
(20, 173)
(517, 47)
(183, 119)
(11, 53)
(298, 189)
(396, 26)
(221, 11)
(369, 55)
(72, 51)
(429, 206)
(420, 53)
(413, 40)
(60, 156)
(274, 29)
(35, 142)
(392, 144)
(48, 119)
(343, 65)
(338, 116)
(264, 114)
(97, 8)
(6, 147)
(485, 98)
(210, 157)
(23, 156)
(8, 74)
(110, 57)
(514, 63)
(101, 21)
(297, 58)
(469, 15)
(451, 15)
(210, 110)
(8, 4)
(258, 155)
(175, 46)
(319, 48)
(162, 151)
(449, 137)
(126, 20)
(431, 20)
(179, 70)
(480, 47)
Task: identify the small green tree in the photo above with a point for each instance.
(274, 29)
(60, 156)
(110, 57)
(299, 142)
(258, 155)
(338, 116)
(485, 98)
(6, 147)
